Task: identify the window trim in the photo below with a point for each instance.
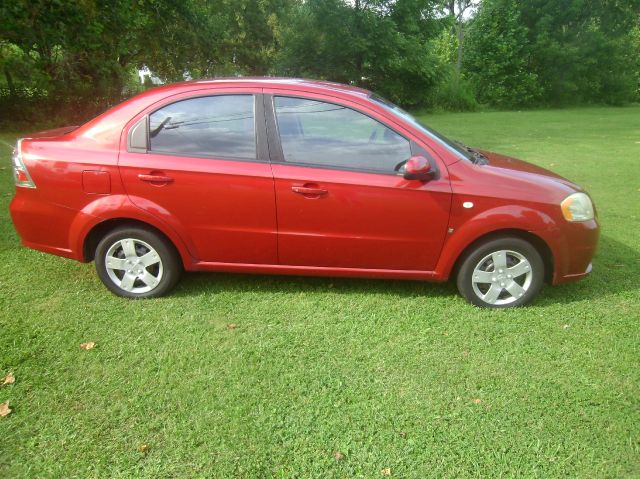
(259, 129)
(144, 121)
(277, 156)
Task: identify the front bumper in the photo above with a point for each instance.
(575, 247)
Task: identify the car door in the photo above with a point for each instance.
(340, 201)
(200, 163)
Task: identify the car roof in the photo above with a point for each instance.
(275, 82)
(109, 124)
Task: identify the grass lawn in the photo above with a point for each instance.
(391, 374)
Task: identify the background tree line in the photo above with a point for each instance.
(71, 59)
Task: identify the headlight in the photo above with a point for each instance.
(577, 207)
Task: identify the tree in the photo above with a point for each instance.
(580, 48)
(381, 45)
(456, 11)
(498, 59)
(83, 53)
(635, 55)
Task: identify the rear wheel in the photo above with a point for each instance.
(137, 263)
(501, 273)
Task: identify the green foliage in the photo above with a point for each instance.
(634, 49)
(82, 54)
(497, 58)
(454, 93)
(445, 46)
(382, 46)
(71, 59)
(580, 49)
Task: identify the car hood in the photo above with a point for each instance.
(526, 171)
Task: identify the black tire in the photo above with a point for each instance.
(489, 279)
(150, 281)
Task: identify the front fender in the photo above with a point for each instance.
(501, 218)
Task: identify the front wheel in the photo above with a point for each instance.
(501, 273)
(137, 263)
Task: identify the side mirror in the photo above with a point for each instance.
(418, 168)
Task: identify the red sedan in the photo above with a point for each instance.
(299, 177)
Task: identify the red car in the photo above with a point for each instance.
(298, 177)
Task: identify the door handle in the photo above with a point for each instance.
(155, 179)
(309, 191)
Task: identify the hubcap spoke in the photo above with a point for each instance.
(492, 294)
(499, 260)
(483, 277)
(127, 281)
(515, 289)
(116, 263)
(129, 248)
(521, 268)
(150, 258)
(148, 279)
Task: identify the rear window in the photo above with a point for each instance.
(209, 126)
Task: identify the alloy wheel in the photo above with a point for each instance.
(133, 265)
(502, 277)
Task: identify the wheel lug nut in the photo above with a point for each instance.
(493, 279)
(502, 284)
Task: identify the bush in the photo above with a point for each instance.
(26, 107)
(454, 93)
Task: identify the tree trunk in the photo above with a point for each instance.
(360, 56)
(460, 33)
(7, 74)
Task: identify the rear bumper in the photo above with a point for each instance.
(42, 226)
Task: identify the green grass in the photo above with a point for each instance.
(386, 372)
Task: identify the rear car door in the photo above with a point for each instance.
(200, 163)
(341, 203)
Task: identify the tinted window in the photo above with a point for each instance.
(455, 146)
(220, 126)
(325, 134)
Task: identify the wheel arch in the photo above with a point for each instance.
(536, 241)
(99, 230)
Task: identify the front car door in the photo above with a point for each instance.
(340, 201)
(204, 169)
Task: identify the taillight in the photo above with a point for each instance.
(20, 173)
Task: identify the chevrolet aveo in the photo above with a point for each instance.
(298, 177)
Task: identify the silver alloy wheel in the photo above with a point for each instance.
(133, 265)
(502, 277)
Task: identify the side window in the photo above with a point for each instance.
(219, 126)
(324, 134)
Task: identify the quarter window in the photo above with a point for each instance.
(210, 126)
(325, 134)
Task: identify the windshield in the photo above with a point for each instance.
(455, 147)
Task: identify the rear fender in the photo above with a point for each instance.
(113, 207)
